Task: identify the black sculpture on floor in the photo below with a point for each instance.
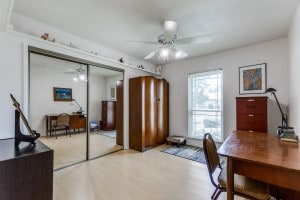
(19, 137)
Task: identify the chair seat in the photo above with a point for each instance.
(243, 185)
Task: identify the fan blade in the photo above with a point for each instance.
(180, 53)
(150, 55)
(195, 40)
(142, 42)
(70, 71)
(170, 27)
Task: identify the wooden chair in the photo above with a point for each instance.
(243, 186)
(62, 123)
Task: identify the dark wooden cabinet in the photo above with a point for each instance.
(119, 113)
(251, 114)
(163, 110)
(108, 121)
(148, 110)
(27, 173)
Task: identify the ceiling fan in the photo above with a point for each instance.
(80, 74)
(169, 42)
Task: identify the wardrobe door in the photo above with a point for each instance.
(163, 110)
(136, 132)
(111, 115)
(150, 111)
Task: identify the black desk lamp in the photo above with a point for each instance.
(284, 128)
(80, 111)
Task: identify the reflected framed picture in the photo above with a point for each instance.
(253, 79)
(62, 94)
(113, 94)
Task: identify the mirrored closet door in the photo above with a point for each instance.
(105, 111)
(77, 107)
(58, 106)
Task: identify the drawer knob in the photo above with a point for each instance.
(250, 115)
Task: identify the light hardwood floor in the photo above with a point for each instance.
(69, 150)
(130, 175)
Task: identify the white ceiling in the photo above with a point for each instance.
(111, 23)
(68, 67)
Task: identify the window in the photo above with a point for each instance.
(206, 104)
(113, 94)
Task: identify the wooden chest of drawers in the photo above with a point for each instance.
(251, 114)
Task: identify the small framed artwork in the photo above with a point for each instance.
(62, 94)
(113, 94)
(253, 79)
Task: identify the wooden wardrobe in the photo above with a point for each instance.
(108, 121)
(148, 112)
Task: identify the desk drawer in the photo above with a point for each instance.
(252, 122)
(253, 105)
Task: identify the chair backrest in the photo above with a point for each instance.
(211, 155)
(63, 120)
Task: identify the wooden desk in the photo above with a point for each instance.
(77, 121)
(261, 156)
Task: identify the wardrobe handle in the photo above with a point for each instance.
(250, 100)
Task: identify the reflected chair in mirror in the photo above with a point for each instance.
(62, 123)
(243, 186)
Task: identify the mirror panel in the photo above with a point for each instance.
(58, 106)
(103, 113)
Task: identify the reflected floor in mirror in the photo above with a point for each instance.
(69, 150)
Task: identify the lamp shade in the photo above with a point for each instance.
(270, 90)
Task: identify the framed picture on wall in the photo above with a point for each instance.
(253, 79)
(62, 94)
(113, 94)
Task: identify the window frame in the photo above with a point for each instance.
(190, 96)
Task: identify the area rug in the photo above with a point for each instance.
(111, 134)
(187, 152)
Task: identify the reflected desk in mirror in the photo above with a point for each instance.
(76, 122)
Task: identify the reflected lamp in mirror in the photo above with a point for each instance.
(80, 111)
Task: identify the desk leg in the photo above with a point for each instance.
(230, 179)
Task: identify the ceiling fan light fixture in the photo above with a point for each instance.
(75, 79)
(165, 52)
(81, 77)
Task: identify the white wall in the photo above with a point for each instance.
(274, 53)
(294, 71)
(97, 95)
